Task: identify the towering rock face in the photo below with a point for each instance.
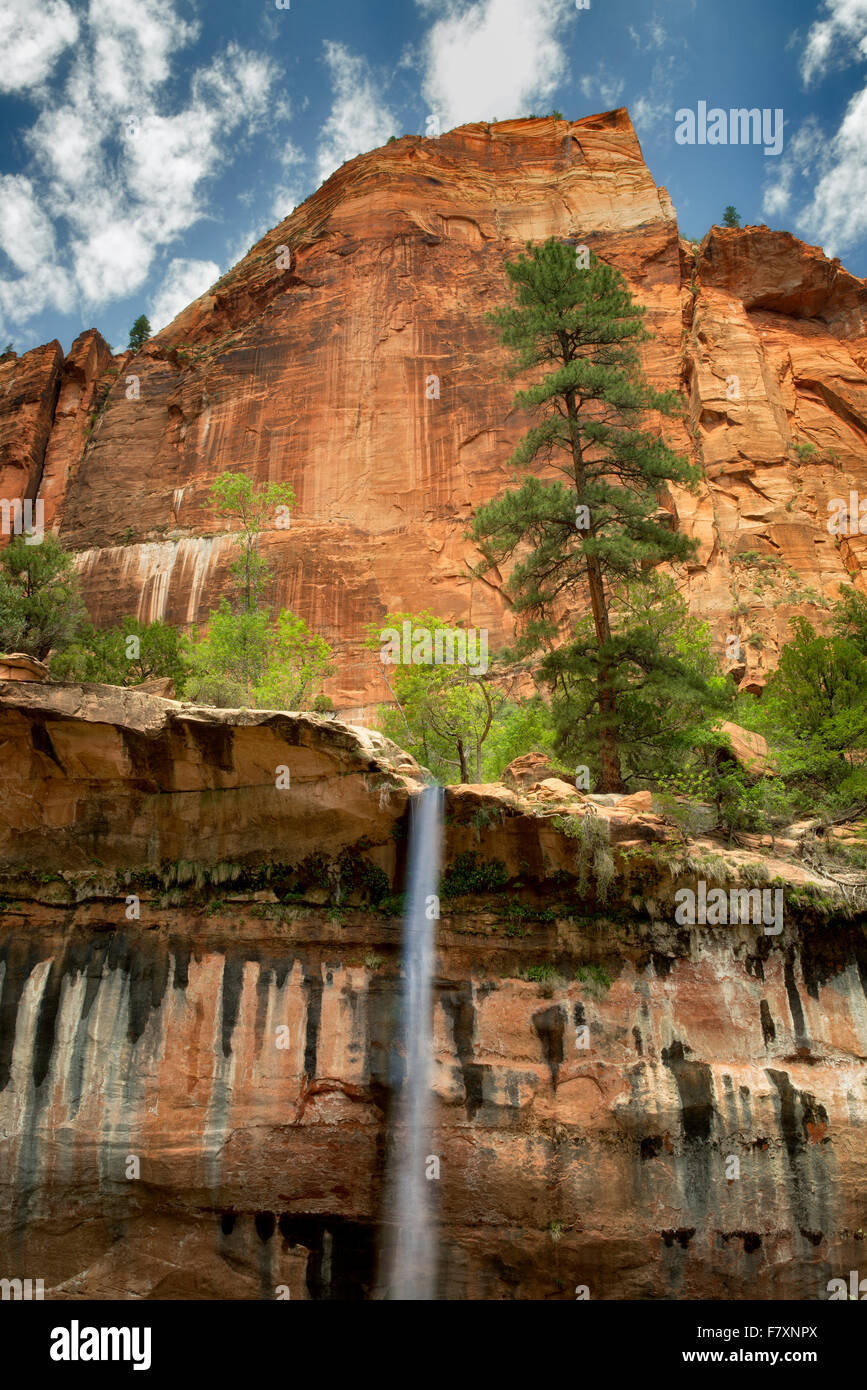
(87, 376)
(348, 354)
(29, 387)
(198, 1059)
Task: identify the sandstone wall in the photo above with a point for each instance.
(320, 374)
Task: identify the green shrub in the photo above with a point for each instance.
(469, 875)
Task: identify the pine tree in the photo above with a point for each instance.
(570, 539)
(40, 599)
(731, 217)
(139, 333)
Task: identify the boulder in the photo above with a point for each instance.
(747, 749)
(525, 772)
(18, 666)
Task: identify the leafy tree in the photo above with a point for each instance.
(236, 496)
(127, 655)
(814, 712)
(229, 661)
(247, 661)
(246, 658)
(850, 617)
(600, 523)
(744, 802)
(444, 713)
(297, 661)
(521, 726)
(820, 687)
(139, 333)
(731, 217)
(40, 599)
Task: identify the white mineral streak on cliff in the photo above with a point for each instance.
(157, 570)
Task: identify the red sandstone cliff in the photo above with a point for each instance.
(319, 374)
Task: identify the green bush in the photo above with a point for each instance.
(469, 875)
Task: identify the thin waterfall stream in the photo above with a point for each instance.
(412, 1273)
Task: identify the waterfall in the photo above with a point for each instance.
(413, 1268)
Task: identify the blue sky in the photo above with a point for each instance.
(146, 146)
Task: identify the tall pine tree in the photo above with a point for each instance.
(575, 325)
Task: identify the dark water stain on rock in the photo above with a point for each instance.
(230, 998)
(694, 1082)
(341, 1262)
(272, 970)
(19, 957)
(549, 1025)
(265, 1223)
(150, 759)
(651, 1146)
(46, 1020)
(41, 739)
(214, 744)
(147, 964)
(827, 954)
(695, 1085)
(795, 1006)
(313, 993)
(459, 1007)
(788, 1115)
(755, 966)
(94, 972)
(682, 1236)
(383, 1062)
(751, 1239)
(181, 975)
(769, 1032)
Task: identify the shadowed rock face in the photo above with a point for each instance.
(685, 1119)
(364, 374)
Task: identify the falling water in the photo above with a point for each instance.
(413, 1268)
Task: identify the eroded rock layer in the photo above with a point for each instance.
(198, 1055)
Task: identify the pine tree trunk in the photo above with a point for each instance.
(609, 759)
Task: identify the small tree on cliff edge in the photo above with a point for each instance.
(731, 217)
(570, 539)
(139, 333)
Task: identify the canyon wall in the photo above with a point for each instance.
(348, 354)
(198, 1019)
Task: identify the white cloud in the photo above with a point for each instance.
(32, 38)
(834, 168)
(803, 152)
(290, 154)
(111, 159)
(838, 39)
(837, 215)
(184, 281)
(653, 111)
(609, 88)
(27, 238)
(26, 233)
(650, 115)
(285, 199)
(655, 35)
(489, 58)
(359, 119)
